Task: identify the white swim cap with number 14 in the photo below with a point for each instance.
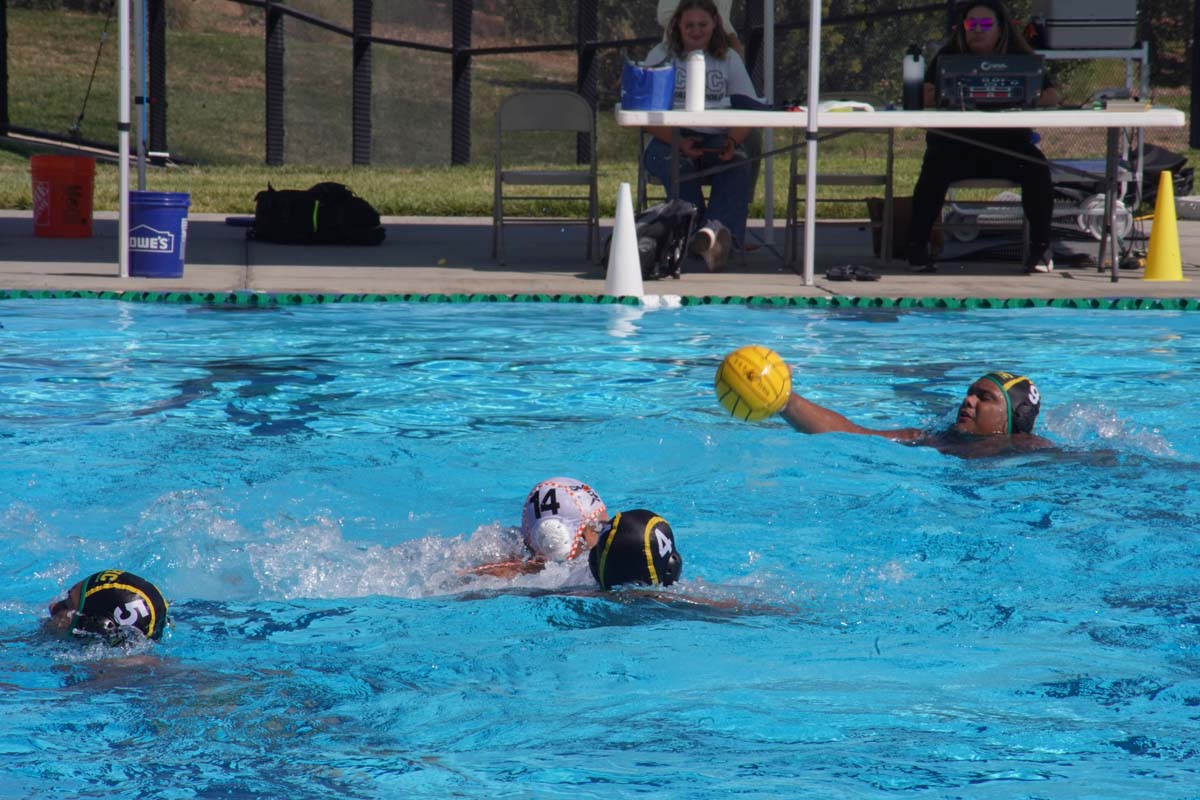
(556, 514)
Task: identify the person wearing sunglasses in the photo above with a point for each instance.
(983, 27)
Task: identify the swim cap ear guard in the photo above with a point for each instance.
(636, 547)
(113, 602)
(1021, 397)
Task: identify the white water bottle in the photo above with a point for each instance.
(694, 97)
(914, 79)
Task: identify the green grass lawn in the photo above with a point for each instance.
(436, 191)
(416, 191)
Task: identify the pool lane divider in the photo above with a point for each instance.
(272, 300)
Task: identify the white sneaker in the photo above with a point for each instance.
(1042, 261)
(702, 241)
(717, 257)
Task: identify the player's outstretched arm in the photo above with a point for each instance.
(808, 417)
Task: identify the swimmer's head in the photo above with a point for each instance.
(110, 603)
(998, 404)
(1022, 399)
(561, 518)
(636, 547)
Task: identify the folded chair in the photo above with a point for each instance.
(880, 178)
(552, 111)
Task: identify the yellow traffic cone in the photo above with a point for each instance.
(1163, 262)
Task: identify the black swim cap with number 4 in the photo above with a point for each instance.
(113, 601)
(637, 547)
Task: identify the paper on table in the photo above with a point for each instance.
(1126, 105)
(838, 105)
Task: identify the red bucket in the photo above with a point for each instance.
(62, 195)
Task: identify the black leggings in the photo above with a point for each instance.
(947, 161)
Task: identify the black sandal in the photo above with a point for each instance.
(850, 272)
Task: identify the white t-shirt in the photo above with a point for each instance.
(666, 10)
(723, 77)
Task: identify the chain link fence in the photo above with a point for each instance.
(62, 67)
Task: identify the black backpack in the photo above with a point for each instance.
(1155, 161)
(328, 213)
(662, 235)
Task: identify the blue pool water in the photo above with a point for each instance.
(307, 485)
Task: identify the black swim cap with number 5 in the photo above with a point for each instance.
(637, 547)
(113, 600)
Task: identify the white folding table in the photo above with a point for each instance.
(1112, 121)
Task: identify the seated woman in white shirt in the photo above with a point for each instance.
(697, 25)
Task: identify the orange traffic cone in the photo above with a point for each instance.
(1163, 262)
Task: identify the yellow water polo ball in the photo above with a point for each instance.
(753, 383)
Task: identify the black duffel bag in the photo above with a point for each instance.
(328, 213)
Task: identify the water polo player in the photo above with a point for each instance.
(560, 520)
(111, 604)
(636, 547)
(996, 416)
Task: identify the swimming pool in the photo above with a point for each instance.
(307, 483)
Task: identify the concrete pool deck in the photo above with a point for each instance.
(425, 255)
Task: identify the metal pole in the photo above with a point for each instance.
(1109, 239)
(274, 85)
(768, 135)
(1194, 127)
(123, 140)
(156, 59)
(4, 67)
(361, 92)
(587, 28)
(139, 99)
(810, 136)
(460, 82)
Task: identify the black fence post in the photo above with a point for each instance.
(4, 67)
(754, 43)
(156, 57)
(587, 29)
(274, 88)
(1194, 127)
(360, 114)
(460, 83)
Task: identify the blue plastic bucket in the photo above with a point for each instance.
(647, 88)
(157, 233)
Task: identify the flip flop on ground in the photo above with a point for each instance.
(851, 272)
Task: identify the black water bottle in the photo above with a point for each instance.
(914, 79)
